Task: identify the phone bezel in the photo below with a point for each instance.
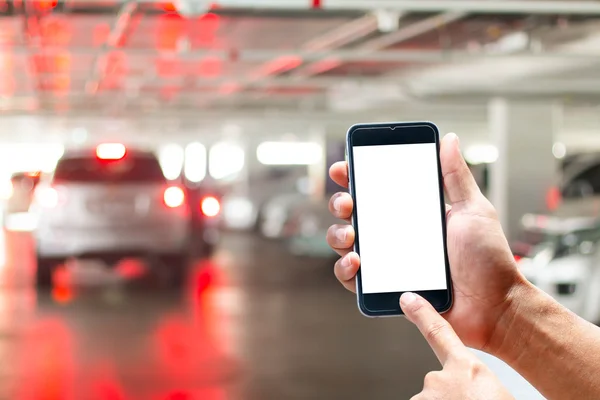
(387, 304)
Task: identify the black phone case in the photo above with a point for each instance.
(349, 158)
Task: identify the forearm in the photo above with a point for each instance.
(555, 350)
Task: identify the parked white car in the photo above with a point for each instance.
(560, 254)
(110, 203)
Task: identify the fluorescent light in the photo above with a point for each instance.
(195, 162)
(171, 160)
(559, 150)
(30, 156)
(513, 42)
(225, 160)
(481, 154)
(289, 153)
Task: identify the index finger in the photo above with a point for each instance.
(436, 330)
(339, 173)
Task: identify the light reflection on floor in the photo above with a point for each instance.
(253, 323)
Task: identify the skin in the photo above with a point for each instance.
(463, 376)
(495, 309)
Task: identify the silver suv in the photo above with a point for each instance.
(110, 203)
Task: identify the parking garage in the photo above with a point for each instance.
(205, 131)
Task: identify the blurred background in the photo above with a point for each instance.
(163, 176)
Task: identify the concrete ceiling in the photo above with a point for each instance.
(140, 69)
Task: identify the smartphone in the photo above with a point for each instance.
(395, 179)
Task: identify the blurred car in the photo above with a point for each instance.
(305, 231)
(204, 203)
(276, 213)
(110, 203)
(22, 187)
(240, 213)
(560, 253)
(580, 177)
(243, 206)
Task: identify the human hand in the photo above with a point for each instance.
(483, 269)
(464, 376)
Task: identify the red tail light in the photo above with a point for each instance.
(210, 206)
(47, 197)
(518, 258)
(174, 197)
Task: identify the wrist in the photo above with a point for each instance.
(511, 331)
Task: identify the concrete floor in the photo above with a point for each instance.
(254, 324)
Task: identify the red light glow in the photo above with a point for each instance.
(100, 34)
(111, 151)
(210, 206)
(211, 67)
(169, 7)
(205, 30)
(553, 198)
(45, 5)
(48, 360)
(7, 86)
(169, 30)
(281, 65)
(174, 197)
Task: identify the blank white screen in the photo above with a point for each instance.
(398, 218)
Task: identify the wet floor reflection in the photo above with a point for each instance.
(251, 324)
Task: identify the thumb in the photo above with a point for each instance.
(458, 180)
(436, 330)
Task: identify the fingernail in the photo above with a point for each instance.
(346, 262)
(455, 138)
(407, 299)
(337, 204)
(341, 234)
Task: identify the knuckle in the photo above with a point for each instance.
(476, 367)
(469, 363)
(431, 378)
(435, 330)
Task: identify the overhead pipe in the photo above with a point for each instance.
(339, 37)
(117, 32)
(524, 7)
(403, 34)
(353, 55)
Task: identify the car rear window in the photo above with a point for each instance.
(131, 169)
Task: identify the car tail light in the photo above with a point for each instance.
(517, 258)
(210, 206)
(174, 197)
(47, 197)
(111, 151)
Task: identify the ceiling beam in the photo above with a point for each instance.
(523, 7)
(403, 34)
(202, 84)
(117, 32)
(353, 55)
(334, 39)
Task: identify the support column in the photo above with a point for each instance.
(317, 172)
(526, 169)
